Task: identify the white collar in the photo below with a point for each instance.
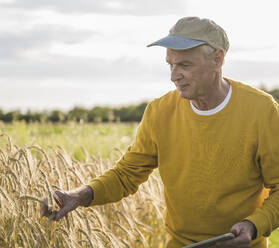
(216, 109)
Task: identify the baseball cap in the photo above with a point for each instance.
(190, 32)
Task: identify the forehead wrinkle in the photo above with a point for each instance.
(178, 60)
(181, 62)
(184, 56)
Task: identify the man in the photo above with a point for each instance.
(215, 142)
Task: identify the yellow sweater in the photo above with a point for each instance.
(214, 168)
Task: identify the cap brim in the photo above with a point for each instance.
(177, 43)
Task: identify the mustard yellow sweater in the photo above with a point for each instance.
(214, 168)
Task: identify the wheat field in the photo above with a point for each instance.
(31, 171)
(27, 174)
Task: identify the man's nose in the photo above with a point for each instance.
(176, 74)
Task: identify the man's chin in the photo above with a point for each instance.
(184, 95)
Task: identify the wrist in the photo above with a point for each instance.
(84, 195)
(252, 228)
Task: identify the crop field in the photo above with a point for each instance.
(36, 159)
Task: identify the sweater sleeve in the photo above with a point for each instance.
(266, 217)
(131, 170)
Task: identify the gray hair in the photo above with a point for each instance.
(209, 50)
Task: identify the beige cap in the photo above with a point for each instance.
(190, 32)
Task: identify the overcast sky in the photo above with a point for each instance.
(58, 54)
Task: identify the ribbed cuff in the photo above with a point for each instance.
(260, 223)
(254, 236)
(98, 192)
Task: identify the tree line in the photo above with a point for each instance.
(131, 113)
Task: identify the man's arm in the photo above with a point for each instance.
(129, 172)
(132, 169)
(266, 217)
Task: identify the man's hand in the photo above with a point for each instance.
(68, 201)
(243, 231)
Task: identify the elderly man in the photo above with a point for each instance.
(215, 142)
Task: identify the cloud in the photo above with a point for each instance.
(130, 70)
(125, 69)
(79, 68)
(14, 44)
(111, 7)
(64, 96)
(254, 71)
(239, 48)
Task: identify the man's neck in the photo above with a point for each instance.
(211, 101)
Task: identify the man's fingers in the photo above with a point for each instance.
(64, 200)
(240, 241)
(61, 213)
(44, 208)
(58, 197)
(236, 230)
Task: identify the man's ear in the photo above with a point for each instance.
(218, 57)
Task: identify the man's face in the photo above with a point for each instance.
(193, 74)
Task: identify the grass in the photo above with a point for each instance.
(100, 140)
(42, 158)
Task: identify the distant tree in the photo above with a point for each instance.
(77, 114)
(56, 116)
(28, 117)
(1, 115)
(130, 113)
(275, 94)
(139, 110)
(100, 114)
(11, 116)
(25, 117)
(39, 117)
(123, 114)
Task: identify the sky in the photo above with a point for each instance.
(60, 54)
